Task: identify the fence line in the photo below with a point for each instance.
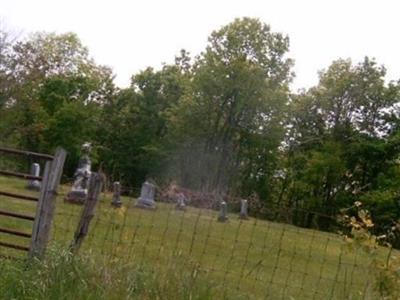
(258, 258)
(254, 258)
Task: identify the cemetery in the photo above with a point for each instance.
(240, 254)
(221, 172)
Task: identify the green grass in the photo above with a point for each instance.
(252, 259)
(62, 276)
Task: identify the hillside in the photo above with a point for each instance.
(243, 259)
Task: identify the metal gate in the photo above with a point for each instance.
(45, 202)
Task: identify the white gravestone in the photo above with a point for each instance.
(180, 203)
(34, 184)
(146, 199)
(243, 210)
(223, 211)
(116, 200)
(79, 190)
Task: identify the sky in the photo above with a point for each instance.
(130, 35)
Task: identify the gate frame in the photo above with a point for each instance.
(46, 201)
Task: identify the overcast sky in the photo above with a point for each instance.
(131, 35)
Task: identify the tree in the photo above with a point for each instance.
(52, 75)
(341, 137)
(7, 39)
(135, 127)
(5, 46)
(233, 112)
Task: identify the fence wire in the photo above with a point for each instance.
(251, 259)
(254, 258)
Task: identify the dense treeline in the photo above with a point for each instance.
(223, 121)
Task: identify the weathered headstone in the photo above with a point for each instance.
(223, 211)
(116, 200)
(34, 184)
(180, 203)
(79, 190)
(146, 199)
(243, 210)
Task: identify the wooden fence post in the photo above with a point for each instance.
(94, 190)
(46, 204)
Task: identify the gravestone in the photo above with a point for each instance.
(243, 210)
(79, 190)
(34, 184)
(180, 203)
(146, 199)
(222, 216)
(116, 200)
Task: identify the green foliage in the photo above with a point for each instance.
(55, 94)
(142, 254)
(63, 126)
(223, 121)
(360, 236)
(342, 144)
(233, 112)
(63, 276)
(135, 125)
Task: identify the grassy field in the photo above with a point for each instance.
(251, 259)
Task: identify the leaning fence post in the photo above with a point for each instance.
(94, 190)
(46, 204)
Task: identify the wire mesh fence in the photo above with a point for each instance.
(250, 258)
(253, 259)
(274, 257)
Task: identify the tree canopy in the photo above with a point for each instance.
(223, 121)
